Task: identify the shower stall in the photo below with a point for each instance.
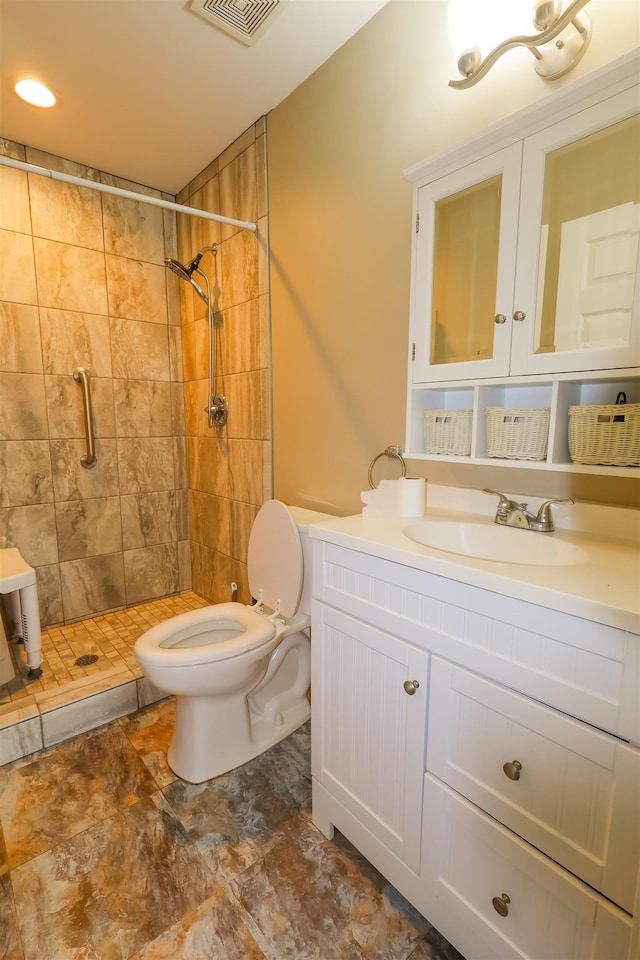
(168, 504)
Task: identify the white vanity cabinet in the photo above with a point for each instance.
(525, 285)
(482, 752)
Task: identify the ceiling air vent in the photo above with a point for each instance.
(245, 20)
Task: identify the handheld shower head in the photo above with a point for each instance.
(185, 272)
(198, 289)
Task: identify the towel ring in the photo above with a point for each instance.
(393, 453)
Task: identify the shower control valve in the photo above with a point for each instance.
(218, 410)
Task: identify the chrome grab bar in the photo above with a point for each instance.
(83, 378)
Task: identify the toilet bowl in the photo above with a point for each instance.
(240, 674)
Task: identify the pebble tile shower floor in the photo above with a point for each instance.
(74, 696)
(110, 636)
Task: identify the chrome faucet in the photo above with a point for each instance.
(514, 514)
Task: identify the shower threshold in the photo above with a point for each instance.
(90, 677)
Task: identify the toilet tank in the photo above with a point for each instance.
(304, 518)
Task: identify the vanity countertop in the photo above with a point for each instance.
(605, 587)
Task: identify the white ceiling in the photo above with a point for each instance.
(148, 90)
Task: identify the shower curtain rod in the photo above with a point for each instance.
(129, 194)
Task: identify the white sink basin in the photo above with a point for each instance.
(485, 540)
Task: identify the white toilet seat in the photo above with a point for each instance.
(226, 630)
(189, 639)
(274, 559)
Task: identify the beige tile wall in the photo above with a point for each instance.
(82, 282)
(229, 469)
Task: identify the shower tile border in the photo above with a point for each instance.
(67, 721)
(20, 733)
(47, 722)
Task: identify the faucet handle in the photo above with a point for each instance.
(504, 502)
(545, 515)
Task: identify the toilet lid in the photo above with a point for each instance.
(274, 558)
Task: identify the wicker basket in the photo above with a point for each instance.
(608, 434)
(517, 433)
(448, 432)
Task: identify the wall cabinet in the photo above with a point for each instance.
(465, 268)
(525, 260)
(483, 753)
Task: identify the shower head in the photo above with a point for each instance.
(185, 272)
(179, 269)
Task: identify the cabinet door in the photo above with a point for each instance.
(464, 270)
(372, 733)
(577, 271)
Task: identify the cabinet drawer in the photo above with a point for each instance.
(471, 865)
(575, 792)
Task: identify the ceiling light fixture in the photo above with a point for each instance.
(35, 93)
(561, 41)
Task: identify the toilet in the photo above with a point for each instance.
(240, 674)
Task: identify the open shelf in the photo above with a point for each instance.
(557, 393)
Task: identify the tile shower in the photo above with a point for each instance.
(83, 283)
(170, 503)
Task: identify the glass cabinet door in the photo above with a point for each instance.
(577, 275)
(464, 272)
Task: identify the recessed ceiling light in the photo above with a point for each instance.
(35, 93)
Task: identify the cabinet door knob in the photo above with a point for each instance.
(410, 687)
(499, 318)
(500, 904)
(519, 315)
(512, 769)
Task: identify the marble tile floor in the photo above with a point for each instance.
(69, 699)
(106, 855)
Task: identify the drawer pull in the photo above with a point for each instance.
(512, 769)
(410, 687)
(500, 904)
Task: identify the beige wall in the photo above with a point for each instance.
(82, 283)
(340, 232)
(229, 469)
